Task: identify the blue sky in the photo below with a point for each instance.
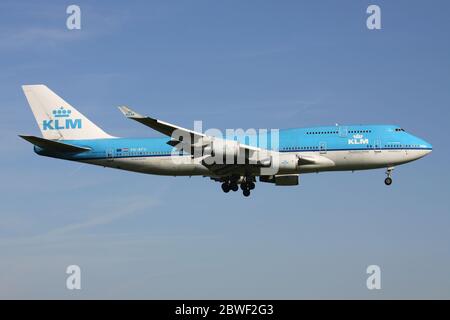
(233, 64)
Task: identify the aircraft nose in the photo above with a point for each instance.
(426, 146)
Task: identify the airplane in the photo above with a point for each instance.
(67, 134)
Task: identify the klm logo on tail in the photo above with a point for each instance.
(62, 121)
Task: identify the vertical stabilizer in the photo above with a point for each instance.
(57, 119)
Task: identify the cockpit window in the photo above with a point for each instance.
(399, 129)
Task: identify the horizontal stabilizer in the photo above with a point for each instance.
(54, 145)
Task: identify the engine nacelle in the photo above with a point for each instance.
(281, 179)
(223, 151)
(287, 163)
(286, 180)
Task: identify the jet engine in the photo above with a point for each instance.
(281, 179)
(287, 163)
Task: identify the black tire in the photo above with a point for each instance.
(251, 185)
(243, 186)
(225, 187)
(234, 187)
(388, 181)
(246, 192)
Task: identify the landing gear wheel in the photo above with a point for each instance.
(388, 181)
(251, 185)
(246, 192)
(225, 187)
(243, 186)
(234, 187)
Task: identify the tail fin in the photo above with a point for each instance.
(57, 119)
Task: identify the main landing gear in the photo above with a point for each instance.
(246, 183)
(227, 186)
(388, 180)
(246, 187)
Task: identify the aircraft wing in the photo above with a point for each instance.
(164, 127)
(177, 133)
(253, 156)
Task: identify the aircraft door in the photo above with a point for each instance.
(323, 147)
(343, 131)
(110, 154)
(377, 145)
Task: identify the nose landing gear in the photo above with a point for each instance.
(388, 180)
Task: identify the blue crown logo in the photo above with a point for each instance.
(61, 113)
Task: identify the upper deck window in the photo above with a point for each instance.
(322, 132)
(360, 131)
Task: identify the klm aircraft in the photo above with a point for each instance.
(277, 158)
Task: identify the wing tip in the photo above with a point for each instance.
(26, 87)
(127, 112)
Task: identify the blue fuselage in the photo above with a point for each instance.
(314, 139)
